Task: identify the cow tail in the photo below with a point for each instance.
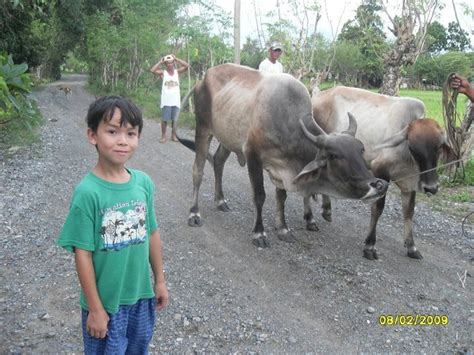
(185, 100)
(184, 104)
(187, 142)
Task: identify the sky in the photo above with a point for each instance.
(334, 14)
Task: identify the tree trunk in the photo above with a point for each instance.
(391, 80)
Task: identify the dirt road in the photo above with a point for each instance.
(318, 295)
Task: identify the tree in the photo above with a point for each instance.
(347, 64)
(437, 38)
(16, 35)
(251, 52)
(435, 70)
(410, 28)
(457, 38)
(366, 32)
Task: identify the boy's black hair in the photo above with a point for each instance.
(103, 109)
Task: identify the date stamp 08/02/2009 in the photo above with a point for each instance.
(413, 319)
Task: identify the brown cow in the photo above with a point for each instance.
(266, 119)
(399, 145)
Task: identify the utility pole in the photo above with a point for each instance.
(237, 31)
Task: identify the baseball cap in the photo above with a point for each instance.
(275, 45)
(168, 58)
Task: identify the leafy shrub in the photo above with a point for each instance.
(18, 115)
(14, 82)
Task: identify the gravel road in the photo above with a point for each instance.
(318, 295)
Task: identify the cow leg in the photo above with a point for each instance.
(283, 232)
(220, 158)
(203, 140)
(255, 169)
(308, 215)
(408, 205)
(376, 211)
(327, 210)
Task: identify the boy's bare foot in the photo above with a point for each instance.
(174, 139)
(163, 140)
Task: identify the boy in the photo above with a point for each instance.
(271, 64)
(112, 229)
(170, 92)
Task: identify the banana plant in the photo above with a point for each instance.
(14, 82)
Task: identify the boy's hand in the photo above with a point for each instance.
(97, 322)
(161, 294)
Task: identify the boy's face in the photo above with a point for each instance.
(115, 144)
(275, 54)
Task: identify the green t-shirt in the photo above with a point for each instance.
(114, 222)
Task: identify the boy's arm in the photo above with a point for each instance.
(183, 65)
(156, 261)
(98, 318)
(156, 68)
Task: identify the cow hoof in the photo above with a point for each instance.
(311, 226)
(371, 254)
(261, 241)
(414, 254)
(223, 207)
(327, 216)
(285, 235)
(194, 220)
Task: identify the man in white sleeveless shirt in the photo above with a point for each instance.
(170, 93)
(271, 64)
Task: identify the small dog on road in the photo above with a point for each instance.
(67, 90)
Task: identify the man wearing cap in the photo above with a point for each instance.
(271, 64)
(170, 93)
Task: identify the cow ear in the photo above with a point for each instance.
(395, 140)
(310, 172)
(447, 154)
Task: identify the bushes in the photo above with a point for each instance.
(18, 115)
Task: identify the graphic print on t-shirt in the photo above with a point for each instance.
(172, 84)
(119, 229)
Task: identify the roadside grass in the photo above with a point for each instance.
(18, 128)
(433, 101)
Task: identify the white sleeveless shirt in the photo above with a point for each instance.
(170, 95)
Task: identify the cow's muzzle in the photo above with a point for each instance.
(378, 188)
(380, 185)
(430, 190)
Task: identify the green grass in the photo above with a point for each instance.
(433, 101)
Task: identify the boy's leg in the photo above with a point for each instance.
(163, 131)
(115, 341)
(174, 115)
(166, 116)
(141, 324)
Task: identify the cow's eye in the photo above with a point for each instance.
(333, 156)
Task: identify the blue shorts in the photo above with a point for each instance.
(129, 330)
(169, 113)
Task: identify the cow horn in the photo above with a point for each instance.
(352, 125)
(318, 127)
(318, 140)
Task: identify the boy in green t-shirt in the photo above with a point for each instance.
(112, 229)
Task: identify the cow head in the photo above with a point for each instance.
(339, 169)
(426, 142)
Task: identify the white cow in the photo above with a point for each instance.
(399, 145)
